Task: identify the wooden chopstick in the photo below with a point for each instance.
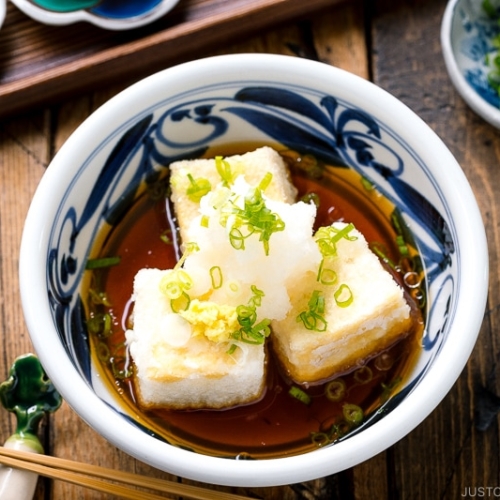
(95, 477)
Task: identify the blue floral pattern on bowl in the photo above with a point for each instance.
(467, 37)
(297, 118)
(109, 14)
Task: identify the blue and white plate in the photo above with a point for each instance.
(467, 39)
(108, 14)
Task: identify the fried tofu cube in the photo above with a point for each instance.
(177, 369)
(375, 316)
(253, 166)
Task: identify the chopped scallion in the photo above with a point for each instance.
(198, 188)
(326, 276)
(250, 331)
(216, 277)
(335, 390)
(313, 318)
(204, 221)
(353, 414)
(175, 283)
(103, 353)
(166, 237)
(120, 370)
(311, 198)
(320, 438)
(299, 394)
(248, 216)
(367, 184)
(180, 303)
(102, 262)
(224, 170)
(363, 375)
(266, 180)
(343, 296)
(327, 238)
(381, 253)
(100, 325)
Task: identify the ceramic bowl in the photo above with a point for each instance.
(3, 10)
(106, 14)
(297, 103)
(467, 40)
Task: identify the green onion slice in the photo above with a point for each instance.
(250, 331)
(101, 325)
(216, 277)
(343, 296)
(313, 318)
(198, 188)
(180, 303)
(320, 438)
(299, 394)
(327, 238)
(204, 221)
(335, 390)
(367, 184)
(363, 375)
(311, 198)
(381, 252)
(102, 262)
(103, 352)
(266, 180)
(326, 276)
(166, 237)
(247, 216)
(120, 370)
(224, 170)
(353, 414)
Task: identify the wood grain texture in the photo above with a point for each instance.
(24, 154)
(448, 453)
(41, 64)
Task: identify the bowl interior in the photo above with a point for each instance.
(166, 117)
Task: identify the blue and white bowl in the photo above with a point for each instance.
(467, 34)
(107, 14)
(303, 105)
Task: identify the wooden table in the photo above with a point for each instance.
(396, 45)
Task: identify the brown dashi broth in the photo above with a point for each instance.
(279, 424)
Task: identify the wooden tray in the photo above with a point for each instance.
(40, 64)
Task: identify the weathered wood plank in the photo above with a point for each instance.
(24, 154)
(47, 63)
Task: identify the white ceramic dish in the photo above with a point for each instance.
(109, 15)
(3, 10)
(250, 97)
(467, 34)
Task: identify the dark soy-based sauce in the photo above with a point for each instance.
(278, 424)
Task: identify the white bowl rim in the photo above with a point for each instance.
(488, 112)
(3, 11)
(394, 426)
